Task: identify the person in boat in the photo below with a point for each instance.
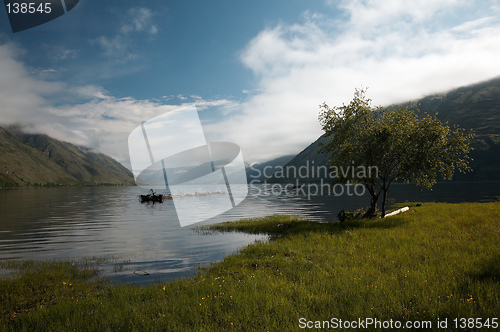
(151, 193)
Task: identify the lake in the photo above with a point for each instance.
(145, 243)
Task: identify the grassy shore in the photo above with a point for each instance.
(433, 262)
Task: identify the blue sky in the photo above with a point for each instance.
(146, 49)
(256, 70)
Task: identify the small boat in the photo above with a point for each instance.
(151, 196)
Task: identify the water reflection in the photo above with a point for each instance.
(62, 223)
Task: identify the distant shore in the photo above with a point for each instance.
(54, 185)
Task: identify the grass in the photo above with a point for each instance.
(433, 262)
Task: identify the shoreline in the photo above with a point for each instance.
(435, 261)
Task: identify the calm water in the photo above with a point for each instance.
(65, 223)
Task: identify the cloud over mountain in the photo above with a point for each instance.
(401, 50)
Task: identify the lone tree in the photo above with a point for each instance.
(395, 140)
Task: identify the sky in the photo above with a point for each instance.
(257, 70)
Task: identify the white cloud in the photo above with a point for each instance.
(68, 54)
(139, 19)
(94, 118)
(20, 91)
(112, 46)
(398, 51)
(366, 15)
(91, 92)
(251, 91)
(401, 50)
(104, 122)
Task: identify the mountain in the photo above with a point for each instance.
(475, 107)
(39, 160)
(259, 171)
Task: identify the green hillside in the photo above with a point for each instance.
(39, 160)
(475, 107)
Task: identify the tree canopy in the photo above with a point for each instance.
(399, 141)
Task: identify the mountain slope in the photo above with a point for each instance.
(34, 159)
(262, 171)
(475, 107)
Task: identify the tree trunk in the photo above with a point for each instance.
(373, 204)
(384, 199)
